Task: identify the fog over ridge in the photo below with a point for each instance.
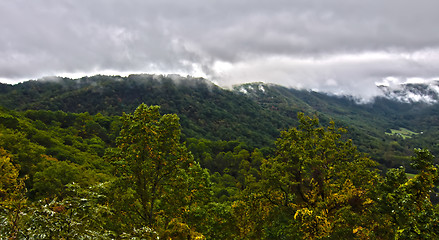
(336, 46)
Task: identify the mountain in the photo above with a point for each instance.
(413, 92)
(205, 110)
(374, 126)
(387, 128)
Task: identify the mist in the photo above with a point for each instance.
(335, 46)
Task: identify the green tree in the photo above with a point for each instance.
(160, 182)
(320, 181)
(404, 204)
(54, 175)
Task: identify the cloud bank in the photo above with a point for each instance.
(337, 46)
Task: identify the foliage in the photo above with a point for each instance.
(12, 199)
(54, 175)
(78, 216)
(161, 179)
(82, 176)
(320, 180)
(405, 203)
(206, 110)
(210, 112)
(9, 180)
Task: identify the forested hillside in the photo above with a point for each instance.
(373, 126)
(82, 176)
(205, 109)
(329, 133)
(87, 158)
(253, 113)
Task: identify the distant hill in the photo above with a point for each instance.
(371, 124)
(253, 113)
(205, 110)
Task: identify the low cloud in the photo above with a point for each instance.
(348, 74)
(336, 46)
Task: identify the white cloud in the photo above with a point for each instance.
(352, 74)
(338, 46)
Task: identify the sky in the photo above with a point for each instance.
(336, 46)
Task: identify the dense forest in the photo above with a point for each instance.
(254, 113)
(87, 159)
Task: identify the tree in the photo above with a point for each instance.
(54, 175)
(81, 214)
(405, 205)
(320, 181)
(158, 178)
(12, 199)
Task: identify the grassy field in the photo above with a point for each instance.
(402, 132)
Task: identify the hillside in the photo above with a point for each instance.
(369, 124)
(107, 177)
(253, 113)
(205, 109)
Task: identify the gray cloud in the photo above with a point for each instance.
(338, 46)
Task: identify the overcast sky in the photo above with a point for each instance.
(339, 46)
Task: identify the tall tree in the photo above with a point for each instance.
(405, 205)
(12, 199)
(160, 180)
(320, 180)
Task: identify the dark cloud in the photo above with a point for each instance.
(340, 46)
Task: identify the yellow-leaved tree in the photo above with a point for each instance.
(12, 199)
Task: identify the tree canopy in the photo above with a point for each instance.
(323, 181)
(158, 174)
(74, 176)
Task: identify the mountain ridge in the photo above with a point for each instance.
(253, 113)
